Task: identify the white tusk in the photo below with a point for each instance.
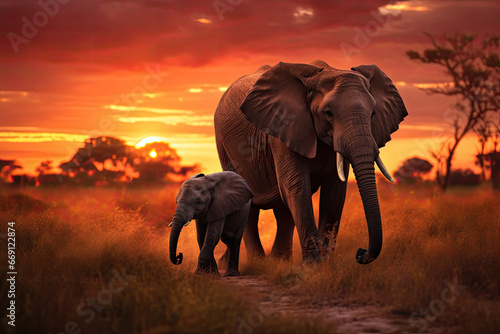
(340, 167)
(187, 223)
(169, 225)
(383, 169)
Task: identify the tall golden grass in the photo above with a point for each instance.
(439, 265)
(73, 244)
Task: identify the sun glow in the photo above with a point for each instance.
(204, 21)
(152, 154)
(148, 140)
(433, 85)
(406, 7)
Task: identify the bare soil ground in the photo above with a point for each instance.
(272, 300)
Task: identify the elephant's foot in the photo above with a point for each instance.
(312, 252)
(204, 272)
(311, 259)
(329, 243)
(232, 272)
(210, 270)
(327, 250)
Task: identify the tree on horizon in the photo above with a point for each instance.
(109, 159)
(474, 70)
(488, 156)
(6, 169)
(412, 170)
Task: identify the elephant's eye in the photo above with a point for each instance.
(197, 202)
(373, 114)
(328, 112)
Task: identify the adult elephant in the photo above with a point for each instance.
(292, 128)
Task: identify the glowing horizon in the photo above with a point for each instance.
(150, 80)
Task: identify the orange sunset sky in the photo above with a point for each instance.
(140, 68)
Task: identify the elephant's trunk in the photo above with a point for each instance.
(362, 156)
(177, 223)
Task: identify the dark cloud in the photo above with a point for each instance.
(128, 33)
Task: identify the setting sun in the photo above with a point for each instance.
(152, 154)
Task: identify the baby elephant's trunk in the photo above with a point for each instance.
(177, 224)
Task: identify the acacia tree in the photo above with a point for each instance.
(100, 159)
(6, 168)
(45, 167)
(474, 70)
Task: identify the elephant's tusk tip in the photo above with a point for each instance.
(170, 225)
(383, 169)
(390, 178)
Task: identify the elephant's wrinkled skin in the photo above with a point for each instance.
(292, 128)
(220, 203)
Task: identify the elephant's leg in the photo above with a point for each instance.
(206, 260)
(234, 257)
(251, 235)
(331, 204)
(283, 243)
(201, 230)
(240, 218)
(294, 182)
(303, 216)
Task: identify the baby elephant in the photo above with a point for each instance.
(219, 203)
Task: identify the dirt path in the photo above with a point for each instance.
(273, 300)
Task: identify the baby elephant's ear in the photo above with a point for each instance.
(230, 193)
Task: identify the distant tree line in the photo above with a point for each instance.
(106, 161)
(417, 170)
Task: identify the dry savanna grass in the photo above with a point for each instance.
(97, 259)
(439, 266)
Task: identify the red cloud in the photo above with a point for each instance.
(130, 32)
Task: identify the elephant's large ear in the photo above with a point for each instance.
(230, 193)
(389, 109)
(277, 104)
